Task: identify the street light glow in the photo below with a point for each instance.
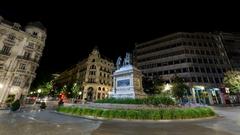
(39, 90)
(80, 93)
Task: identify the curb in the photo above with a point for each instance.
(133, 120)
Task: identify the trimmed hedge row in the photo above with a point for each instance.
(153, 100)
(160, 114)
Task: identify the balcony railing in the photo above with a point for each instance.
(26, 58)
(5, 53)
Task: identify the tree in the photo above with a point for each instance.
(46, 88)
(232, 81)
(179, 89)
(76, 88)
(153, 86)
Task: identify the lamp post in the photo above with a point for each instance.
(38, 92)
(227, 92)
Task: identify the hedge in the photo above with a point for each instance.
(153, 100)
(148, 114)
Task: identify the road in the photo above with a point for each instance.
(49, 123)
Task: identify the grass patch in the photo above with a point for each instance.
(148, 114)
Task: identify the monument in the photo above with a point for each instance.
(127, 80)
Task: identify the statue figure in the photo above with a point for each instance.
(127, 60)
(119, 62)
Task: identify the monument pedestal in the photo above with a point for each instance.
(127, 83)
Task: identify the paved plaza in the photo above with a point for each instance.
(46, 122)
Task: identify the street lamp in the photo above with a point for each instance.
(80, 93)
(38, 92)
(1, 85)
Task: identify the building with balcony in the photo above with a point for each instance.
(94, 74)
(20, 52)
(199, 58)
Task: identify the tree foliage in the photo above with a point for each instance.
(179, 89)
(153, 86)
(232, 81)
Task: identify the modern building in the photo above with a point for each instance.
(93, 73)
(20, 52)
(199, 58)
(231, 42)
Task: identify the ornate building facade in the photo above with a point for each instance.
(20, 52)
(94, 74)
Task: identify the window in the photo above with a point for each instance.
(211, 79)
(200, 60)
(189, 60)
(170, 62)
(207, 52)
(99, 88)
(210, 61)
(6, 50)
(178, 71)
(215, 61)
(208, 70)
(16, 81)
(93, 60)
(219, 70)
(199, 79)
(213, 70)
(103, 89)
(216, 80)
(202, 52)
(22, 66)
(34, 33)
(197, 52)
(191, 69)
(193, 79)
(205, 61)
(171, 71)
(194, 60)
(202, 70)
(185, 70)
(99, 95)
(159, 72)
(191, 51)
(27, 55)
(205, 79)
(183, 60)
(165, 72)
(187, 51)
(11, 37)
(93, 67)
(196, 69)
(176, 62)
(30, 45)
(103, 96)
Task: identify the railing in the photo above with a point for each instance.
(5, 53)
(26, 58)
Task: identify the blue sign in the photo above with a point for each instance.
(122, 83)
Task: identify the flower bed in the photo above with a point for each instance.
(141, 114)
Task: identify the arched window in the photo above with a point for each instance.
(93, 60)
(103, 89)
(93, 67)
(99, 88)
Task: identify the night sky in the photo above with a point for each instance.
(74, 29)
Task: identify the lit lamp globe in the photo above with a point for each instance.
(39, 90)
(80, 93)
